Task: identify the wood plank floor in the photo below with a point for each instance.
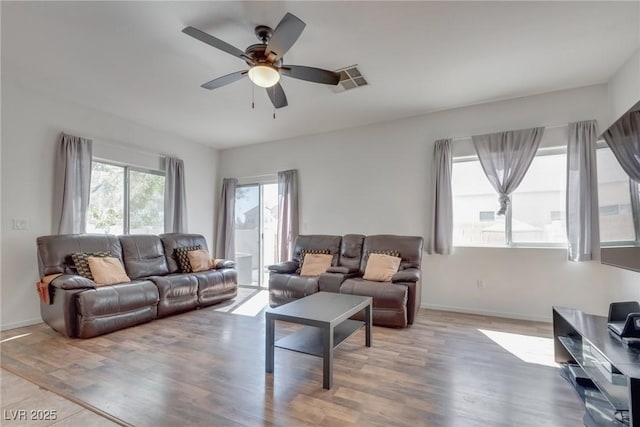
(206, 367)
(24, 404)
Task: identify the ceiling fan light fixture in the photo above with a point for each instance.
(264, 75)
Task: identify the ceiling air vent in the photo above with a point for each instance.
(350, 78)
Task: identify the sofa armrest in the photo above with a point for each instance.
(407, 275)
(224, 263)
(284, 267)
(72, 281)
(342, 270)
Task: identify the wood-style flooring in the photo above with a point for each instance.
(206, 367)
(24, 404)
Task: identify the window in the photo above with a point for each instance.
(538, 204)
(473, 197)
(618, 200)
(537, 214)
(125, 200)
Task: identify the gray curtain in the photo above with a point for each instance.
(505, 158)
(175, 197)
(288, 216)
(72, 184)
(624, 139)
(583, 231)
(225, 241)
(442, 219)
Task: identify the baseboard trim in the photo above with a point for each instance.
(20, 324)
(468, 310)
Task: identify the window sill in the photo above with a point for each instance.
(515, 246)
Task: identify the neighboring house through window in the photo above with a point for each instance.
(537, 214)
(619, 201)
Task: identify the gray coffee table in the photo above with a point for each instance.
(326, 319)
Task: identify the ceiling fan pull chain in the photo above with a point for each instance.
(273, 107)
(253, 96)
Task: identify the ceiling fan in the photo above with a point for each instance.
(265, 59)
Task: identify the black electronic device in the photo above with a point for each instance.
(624, 321)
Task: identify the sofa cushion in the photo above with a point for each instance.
(143, 256)
(109, 308)
(216, 285)
(305, 252)
(409, 248)
(284, 288)
(351, 251)
(315, 264)
(54, 252)
(381, 268)
(107, 271)
(315, 241)
(81, 261)
(182, 256)
(177, 292)
(171, 241)
(107, 300)
(389, 300)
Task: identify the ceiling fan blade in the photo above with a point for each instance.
(277, 96)
(225, 80)
(310, 74)
(215, 42)
(284, 36)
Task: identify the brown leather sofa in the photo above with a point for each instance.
(395, 303)
(79, 308)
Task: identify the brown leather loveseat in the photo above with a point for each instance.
(395, 303)
(76, 307)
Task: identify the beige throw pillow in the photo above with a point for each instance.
(315, 264)
(199, 260)
(381, 267)
(107, 270)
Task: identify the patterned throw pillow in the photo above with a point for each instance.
(81, 261)
(390, 252)
(182, 257)
(303, 252)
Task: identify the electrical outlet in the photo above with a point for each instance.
(480, 284)
(20, 224)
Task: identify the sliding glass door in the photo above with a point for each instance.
(255, 232)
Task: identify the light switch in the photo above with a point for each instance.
(20, 224)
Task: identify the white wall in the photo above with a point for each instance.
(31, 126)
(377, 179)
(624, 89)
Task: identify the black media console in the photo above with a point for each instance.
(604, 371)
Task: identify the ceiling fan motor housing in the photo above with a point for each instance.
(256, 52)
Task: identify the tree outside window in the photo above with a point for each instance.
(125, 200)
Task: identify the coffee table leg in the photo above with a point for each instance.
(368, 320)
(269, 347)
(327, 359)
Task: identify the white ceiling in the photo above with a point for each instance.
(130, 59)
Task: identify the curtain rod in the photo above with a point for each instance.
(464, 138)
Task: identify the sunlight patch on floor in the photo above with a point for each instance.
(14, 338)
(253, 305)
(527, 348)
